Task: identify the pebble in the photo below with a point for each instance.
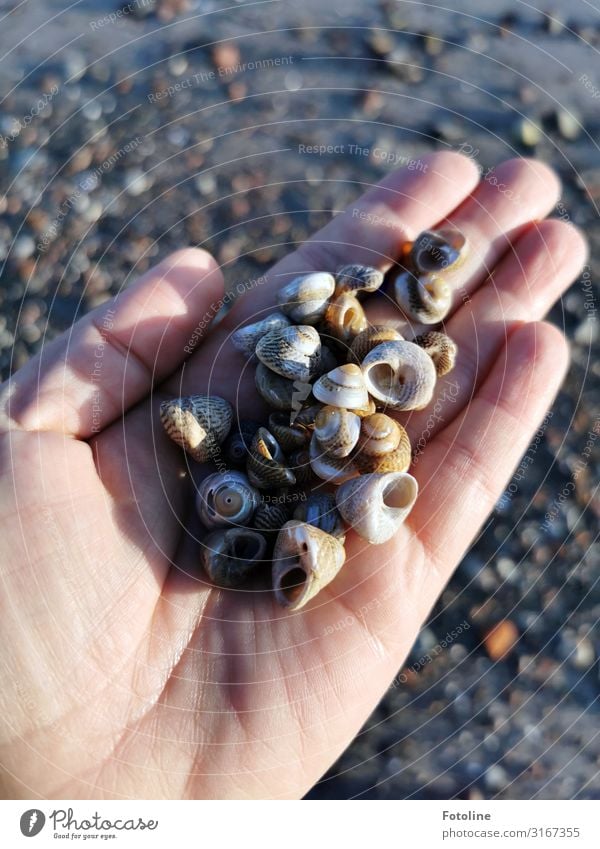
(568, 123)
(528, 133)
(23, 247)
(500, 640)
(137, 181)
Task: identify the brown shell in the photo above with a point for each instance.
(441, 348)
(344, 318)
(289, 436)
(198, 423)
(337, 430)
(266, 464)
(379, 434)
(371, 338)
(305, 560)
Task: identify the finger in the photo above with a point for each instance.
(530, 278)
(371, 231)
(504, 203)
(465, 468)
(110, 359)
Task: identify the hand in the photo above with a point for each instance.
(124, 674)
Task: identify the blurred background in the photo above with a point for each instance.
(127, 132)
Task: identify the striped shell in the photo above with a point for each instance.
(266, 463)
(305, 560)
(290, 437)
(245, 339)
(379, 434)
(376, 505)
(299, 463)
(305, 299)
(270, 516)
(335, 470)
(321, 511)
(357, 278)
(226, 498)
(441, 348)
(437, 250)
(426, 299)
(345, 318)
(398, 460)
(277, 391)
(337, 430)
(237, 444)
(344, 386)
(292, 352)
(198, 423)
(400, 375)
(230, 556)
(371, 338)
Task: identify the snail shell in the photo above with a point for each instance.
(376, 505)
(327, 361)
(198, 423)
(335, 470)
(437, 250)
(226, 498)
(305, 299)
(441, 348)
(379, 434)
(371, 338)
(245, 339)
(397, 460)
(305, 560)
(321, 511)
(293, 352)
(343, 386)
(307, 415)
(237, 444)
(344, 318)
(274, 389)
(266, 463)
(230, 556)
(270, 516)
(337, 430)
(357, 278)
(299, 463)
(361, 412)
(400, 375)
(290, 437)
(426, 299)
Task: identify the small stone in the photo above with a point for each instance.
(500, 640)
(23, 247)
(528, 133)
(568, 123)
(586, 332)
(496, 777)
(137, 181)
(584, 654)
(226, 58)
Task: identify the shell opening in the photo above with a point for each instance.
(382, 376)
(245, 548)
(291, 583)
(398, 495)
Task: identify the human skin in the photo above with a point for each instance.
(123, 674)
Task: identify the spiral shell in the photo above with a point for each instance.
(344, 318)
(237, 444)
(335, 470)
(198, 423)
(371, 338)
(266, 463)
(305, 299)
(270, 516)
(379, 434)
(344, 386)
(226, 498)
(299, 463)
(229, 557)
(337, 430)
(245, 339)
(376, 505)
(293, 352)
(321, 511)
(397, 460)
(441, 348)
(357, 278)
(290, 437)
(306, 415)
(426, 299)
(437, 250)
(277, 391)
(305, 560)
(400, 375)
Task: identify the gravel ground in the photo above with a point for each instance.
(127, 135)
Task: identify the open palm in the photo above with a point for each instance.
(123, 673)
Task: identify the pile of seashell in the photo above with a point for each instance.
(329, 377)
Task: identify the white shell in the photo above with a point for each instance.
(426, 299)
(400, 375)
(305, 560)
(335, 470)
(305, 298)
(343, 386)
(245, 339)
(437, 250)
(293, 352)
(226, 498)
(377, 505)
(337, 430)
